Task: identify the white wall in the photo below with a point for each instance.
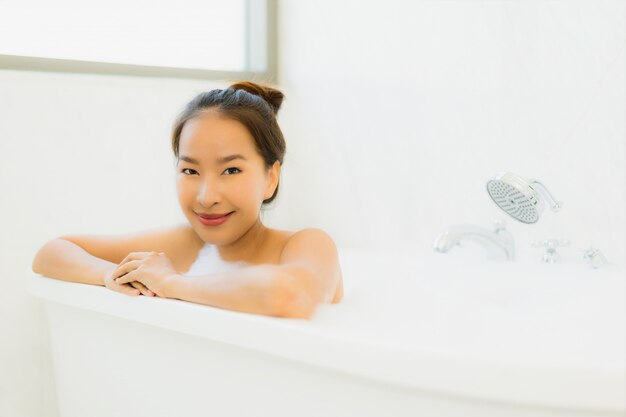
(399, 112)
(396, 115)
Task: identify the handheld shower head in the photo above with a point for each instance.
(520, 198)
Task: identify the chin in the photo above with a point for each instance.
(212, 236)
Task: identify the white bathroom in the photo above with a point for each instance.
(467, 158)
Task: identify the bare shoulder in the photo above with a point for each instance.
(315, 248)
(178, 242)
(310, 236)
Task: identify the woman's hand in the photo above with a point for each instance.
(153, 271)
(133, 288)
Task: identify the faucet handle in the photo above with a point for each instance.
(498, 226)
(551, 244)
(594, 257)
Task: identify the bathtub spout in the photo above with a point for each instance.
(498, 242)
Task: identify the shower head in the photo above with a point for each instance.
(519, 197)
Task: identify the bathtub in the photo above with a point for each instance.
(431, 335)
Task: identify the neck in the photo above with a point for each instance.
(247, 246)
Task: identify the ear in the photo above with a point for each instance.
(273, 175)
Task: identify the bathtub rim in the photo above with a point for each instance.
(293, 339)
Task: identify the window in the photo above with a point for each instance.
(186, 38)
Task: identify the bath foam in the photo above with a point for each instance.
(210, 262)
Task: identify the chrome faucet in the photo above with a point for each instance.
(498, 241)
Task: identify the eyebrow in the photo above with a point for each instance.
(221, 160)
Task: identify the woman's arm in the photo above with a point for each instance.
(64, 260)
(92, 259)
(267, 289)
(308, 274)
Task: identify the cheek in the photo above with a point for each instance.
(184, 189)
(246, 191)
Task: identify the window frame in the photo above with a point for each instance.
(260, 55)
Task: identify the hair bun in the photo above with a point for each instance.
(273, 96)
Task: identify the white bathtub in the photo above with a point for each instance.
(436, 335)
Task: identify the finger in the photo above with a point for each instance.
(126, 268)
(142, 288)
(133, 256)
(129, 277)
(128, 290)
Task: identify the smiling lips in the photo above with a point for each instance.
(213, 219)
(212, 216)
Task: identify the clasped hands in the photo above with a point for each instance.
(147, 273)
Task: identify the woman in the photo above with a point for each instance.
(229, 150)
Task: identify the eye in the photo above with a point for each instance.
(186, 169)
(232, 168)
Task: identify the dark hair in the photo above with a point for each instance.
(253, 105)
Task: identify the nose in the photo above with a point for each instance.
(209, 193)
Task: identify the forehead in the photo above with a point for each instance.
(214, 135)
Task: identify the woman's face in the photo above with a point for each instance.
(208, 185)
